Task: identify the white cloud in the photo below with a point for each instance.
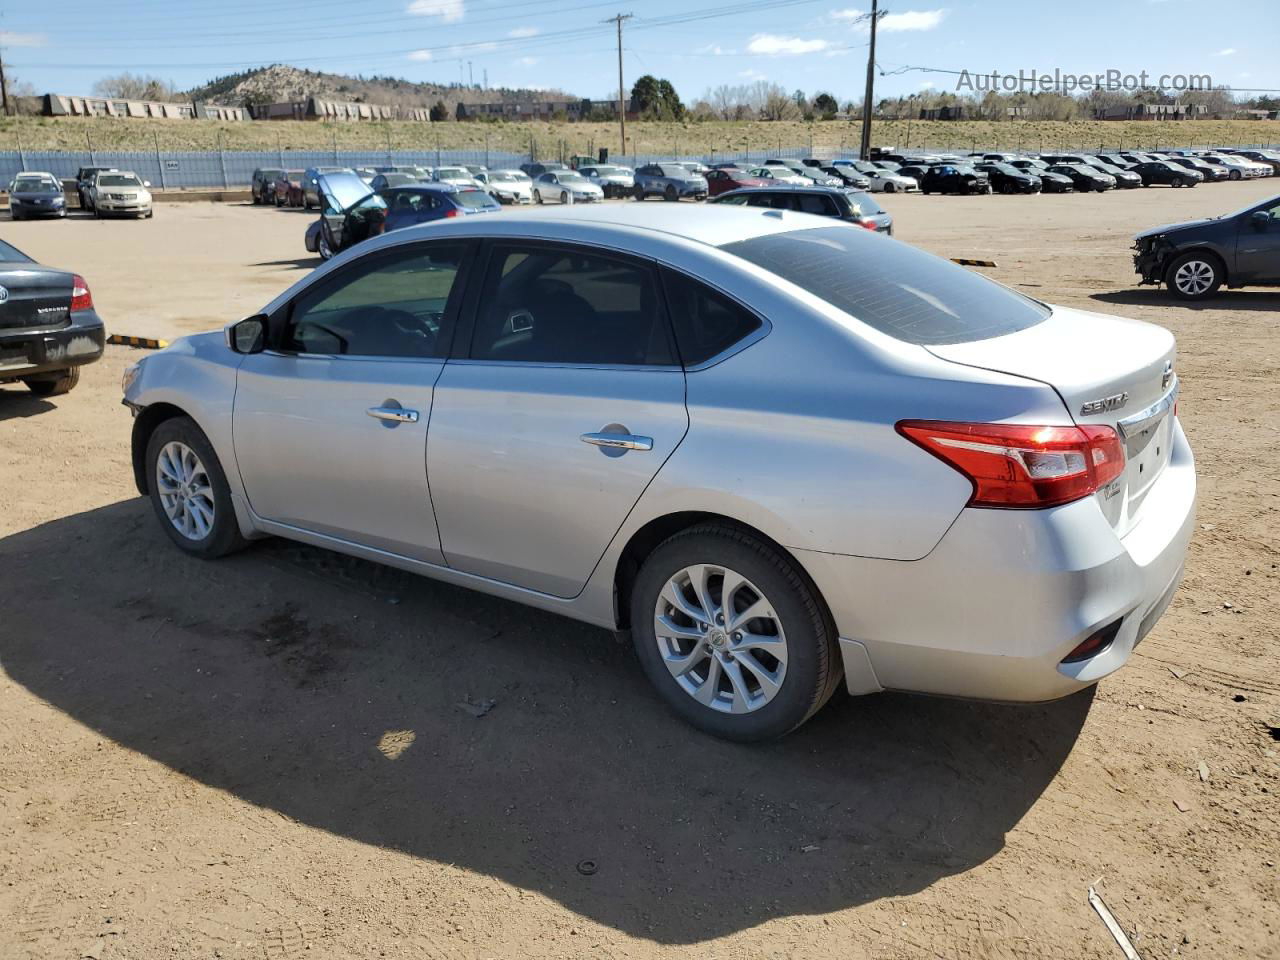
(521, 32)
(892, 22)
(774, 45)
(752, 75)
(526, 61)
(714, 49)
(911, 20)
(450, 11)
(10, 39)
(1225, 52)
(928, 85)
(420, 55)
(466, 50)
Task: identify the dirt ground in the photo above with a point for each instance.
(278, 755)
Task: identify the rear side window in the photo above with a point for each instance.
(706, 322)
(903, 292)
(473, 199)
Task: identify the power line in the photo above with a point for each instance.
(622, 107)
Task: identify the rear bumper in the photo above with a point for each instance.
(1007, 594)
(27, 353)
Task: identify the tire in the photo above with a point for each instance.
(638, 193)
(14, 217)
(1194, 276)
(889, 187)
(222, 536)
(323, 247)
(97, 214)
(670, 194)
(1235, 174)
(564, 197)
(808, 672)
(537, 195)
(279, 202)
(64, 383)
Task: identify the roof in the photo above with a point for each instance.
(438, 187)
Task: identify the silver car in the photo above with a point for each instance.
(784, 455)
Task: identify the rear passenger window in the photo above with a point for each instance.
(706, 322)
(816, 203)
(547, 304)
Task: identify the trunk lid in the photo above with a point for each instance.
(33, 296)
(1108, 371)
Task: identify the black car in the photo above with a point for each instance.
(1049, 182)
(1115, 160)
(1162, 171)
(953, 178)
(263, 184)
(1084, 177)
(852, 206)
(1194, 259)
(36, 196)
(1126, 179)
(48, 326)
(848, 177)
(1006, 178)
(84, 180)
(1211, 172)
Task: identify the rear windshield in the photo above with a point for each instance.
(10, 254)
(475, 199)
(906, 293)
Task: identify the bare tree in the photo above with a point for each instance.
(134, 86)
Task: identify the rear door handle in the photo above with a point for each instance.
(618, 441)
(393, 414)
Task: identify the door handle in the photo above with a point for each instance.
(618, 441)
(393, 414)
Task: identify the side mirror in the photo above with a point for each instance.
(146, 183)
(249, 335)
(1260, 219)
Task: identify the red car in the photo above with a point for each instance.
(288, 189)
(731, 178)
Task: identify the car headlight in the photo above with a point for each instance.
(130, 376)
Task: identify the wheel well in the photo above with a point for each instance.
(1206, 253)
(143, 426)
(647, 539)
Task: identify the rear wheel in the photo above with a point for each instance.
(889, 187)
(670, 194)
(63, 381)
(1236, 175)
(1194, 276)
(638, 193)
(732, 634)
(323, 246)
(564, 197)
(537, 195)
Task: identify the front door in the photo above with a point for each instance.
(548, 429)
(1258, 246)
(330, 423)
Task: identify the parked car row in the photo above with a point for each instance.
(106, 191)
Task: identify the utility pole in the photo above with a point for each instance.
(868, 101)
(4, 87)
(471, 74)
(486, 78)
(622, 106)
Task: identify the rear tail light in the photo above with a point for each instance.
(450, 213)
(869, 224)
(1018, 466)
(81, 298)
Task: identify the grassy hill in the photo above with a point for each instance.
(75, 134)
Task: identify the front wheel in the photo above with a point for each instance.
(732, 634)
(1236, 174)
(1194, 276)
(323, 247)
(537, 196)
(638, 193)
(564, 197)
(889, 188)
(62, 382)
(189, 490)
(670, 194)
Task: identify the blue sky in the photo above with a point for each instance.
(697, 44)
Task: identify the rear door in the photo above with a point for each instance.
(563, 404)
(1258, 246)
(330, 422)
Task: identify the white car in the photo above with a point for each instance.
(458, 176)
(1242, 168)
(785, 455)
(120, 193)
(565, 186)
(507, 186)
(883, 180)
(615, 181)
(780, 174)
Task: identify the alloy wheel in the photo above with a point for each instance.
(1194, 277)
(185, 490)
(720, 638)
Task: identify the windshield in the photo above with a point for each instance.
(453, 173)
(118, 180)
(506, 176)
(1005, 168)
(674, 170)
(897, 289)
(473, 199)
(606, 171)
(36, 186)
(571, 178)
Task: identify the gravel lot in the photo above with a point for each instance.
(273, 756)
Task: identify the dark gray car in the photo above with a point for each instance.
(852, 206)
(671, 181)
(1195, 258)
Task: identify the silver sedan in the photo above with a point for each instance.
(784, 455)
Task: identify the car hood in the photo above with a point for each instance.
(1175, 227)
(343, 190)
